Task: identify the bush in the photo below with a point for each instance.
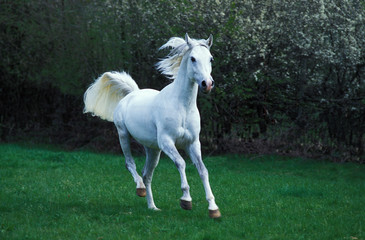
(288, 73)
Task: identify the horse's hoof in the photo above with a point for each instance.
(154, 208)
(214, 213)
(141, 192)
(187, 205)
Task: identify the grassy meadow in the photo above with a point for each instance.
(48, 193)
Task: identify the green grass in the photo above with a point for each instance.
(52, 194)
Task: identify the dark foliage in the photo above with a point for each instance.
(290, 76)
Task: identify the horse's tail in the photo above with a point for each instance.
(103, 96)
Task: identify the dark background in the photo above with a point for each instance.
(290, 75)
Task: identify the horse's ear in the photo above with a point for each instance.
(210, 40)
(187, 39)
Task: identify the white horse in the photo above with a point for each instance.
(164, 120)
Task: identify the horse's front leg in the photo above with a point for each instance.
(194, 152)
(168, 147)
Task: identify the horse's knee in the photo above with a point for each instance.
(180, 164)
(204, 173)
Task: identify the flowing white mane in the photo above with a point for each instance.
(170, 65)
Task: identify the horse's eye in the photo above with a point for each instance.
(193, 59)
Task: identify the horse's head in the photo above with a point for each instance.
(199, 63)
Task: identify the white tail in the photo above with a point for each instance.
(102, 97)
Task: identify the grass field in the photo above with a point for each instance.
(53, 194)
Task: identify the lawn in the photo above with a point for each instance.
(48, 193)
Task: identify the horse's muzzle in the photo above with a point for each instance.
(206, 85)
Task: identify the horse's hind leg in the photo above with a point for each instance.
(152, 159)
(124, 139)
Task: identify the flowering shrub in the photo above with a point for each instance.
(288, 70)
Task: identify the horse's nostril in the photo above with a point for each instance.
(204, 84)
(212, 83)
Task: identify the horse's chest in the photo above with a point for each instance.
(180, 129)
(187, 131)
(184, 136)
(181, 125)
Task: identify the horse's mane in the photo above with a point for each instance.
(170, 65)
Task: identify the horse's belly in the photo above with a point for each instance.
(138, 117)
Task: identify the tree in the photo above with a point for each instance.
(291, 71)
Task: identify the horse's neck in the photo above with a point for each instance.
(184, 90)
